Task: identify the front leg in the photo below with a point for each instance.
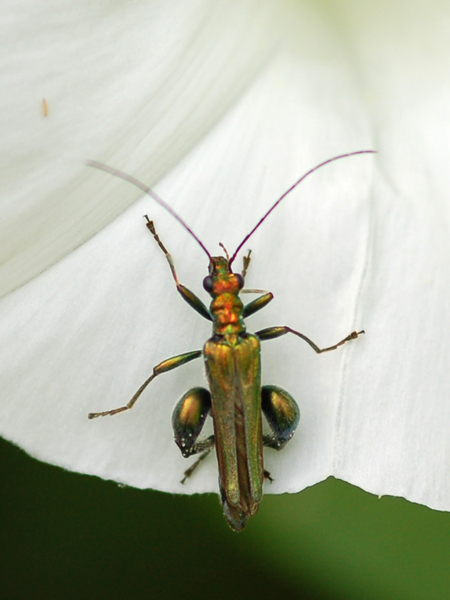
(189, 297)
(257, 304)
(246, 263)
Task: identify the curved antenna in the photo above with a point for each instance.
(150, 192)
(290, 190)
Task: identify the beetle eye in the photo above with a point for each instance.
(240, 280)
(208, 284)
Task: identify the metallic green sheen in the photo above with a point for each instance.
(234, 376)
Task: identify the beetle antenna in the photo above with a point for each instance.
(261, 221)
(149, 192)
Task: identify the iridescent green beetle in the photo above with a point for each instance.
(235, 399)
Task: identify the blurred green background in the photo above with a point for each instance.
(67, 536)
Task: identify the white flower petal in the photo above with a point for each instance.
(362, 244)
(137, 84)
(105, 315)
(392, 430)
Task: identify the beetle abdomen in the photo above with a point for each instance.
(234, 373)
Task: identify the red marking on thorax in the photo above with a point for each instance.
(224, 286)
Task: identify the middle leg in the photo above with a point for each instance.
(274, 332)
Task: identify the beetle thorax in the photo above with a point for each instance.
(226, 306)
(226, 311)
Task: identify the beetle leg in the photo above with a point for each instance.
(188, 419)
(257, 304)
(188, 296)
(268, 476)
(163, 367)
(209, 441)
(246, 262)
(282, 414)
(273, 332)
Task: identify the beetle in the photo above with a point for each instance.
(235, 399)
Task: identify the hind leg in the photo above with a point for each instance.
(188, 419)
(282, 414)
